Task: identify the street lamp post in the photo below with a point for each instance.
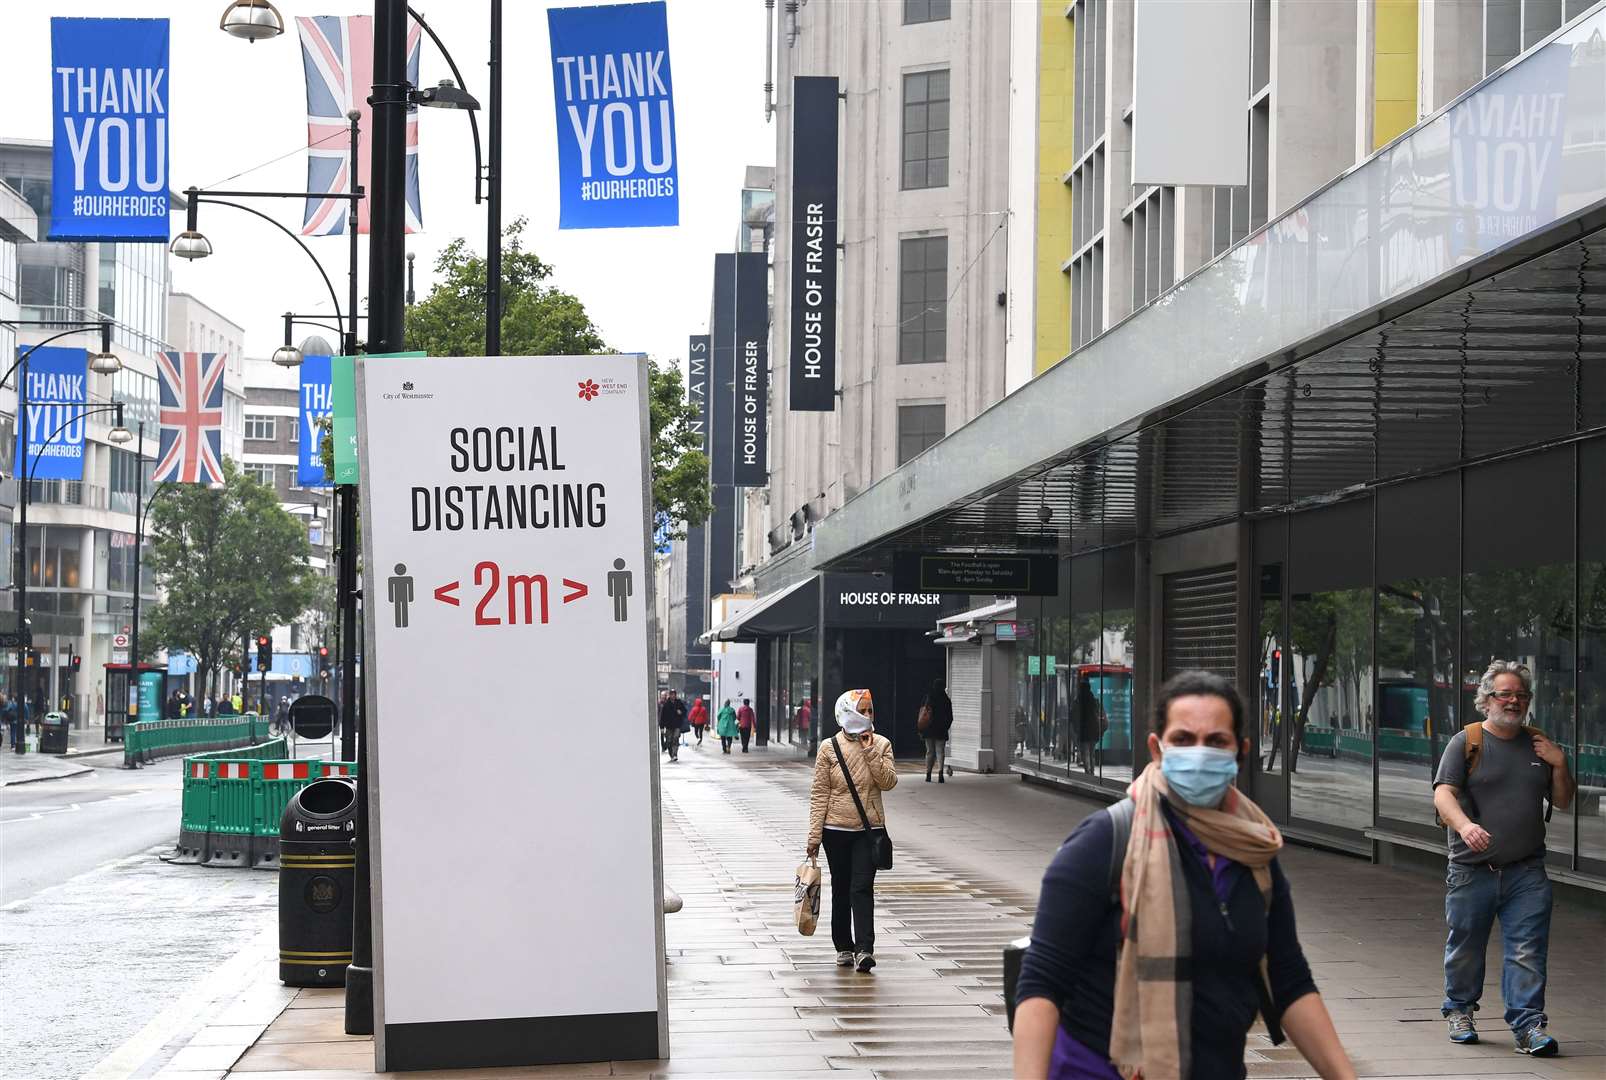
(104, 362)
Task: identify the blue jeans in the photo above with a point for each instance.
(1519, 894)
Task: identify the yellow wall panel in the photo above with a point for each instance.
(1056, 88)
(1394, 69)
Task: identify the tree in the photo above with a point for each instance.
(231, 563)
(542, 320)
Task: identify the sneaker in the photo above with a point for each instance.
(866, 961)
(1535, 1041)
(844, 959)
(1462, 1028)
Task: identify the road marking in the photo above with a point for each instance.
(37, 814)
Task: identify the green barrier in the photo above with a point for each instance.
(232, 801)
(151, 740)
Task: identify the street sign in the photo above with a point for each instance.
(312, 717)
(1001, 575)
(119, 641)
(506, 533)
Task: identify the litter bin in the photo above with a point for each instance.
(316, 875)
(53, 733)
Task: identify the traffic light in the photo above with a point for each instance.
(323, 659)
(76, 662)
(264, 652)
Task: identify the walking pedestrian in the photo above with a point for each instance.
(937, 711)
(1087, 717)
(699, 719)
(671, 715)
(745, 721)
(725, 726)
(1130, 966)
(1492, 782)
(850, 773)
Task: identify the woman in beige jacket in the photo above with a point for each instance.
(834, 818)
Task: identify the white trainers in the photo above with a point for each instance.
(844, 959)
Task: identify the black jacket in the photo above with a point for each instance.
(1072, 957)
(942, 715)
(672, 714)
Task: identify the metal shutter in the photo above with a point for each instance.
(964, 688)
(1200, 622)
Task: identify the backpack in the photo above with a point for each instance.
(1474, 754)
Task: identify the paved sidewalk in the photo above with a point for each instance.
(751, 998)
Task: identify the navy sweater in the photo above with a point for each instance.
(1078, 928)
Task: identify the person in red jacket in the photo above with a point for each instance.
(744, 722)
(699, 719)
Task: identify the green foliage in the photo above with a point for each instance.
(539, 319)
(232, 563)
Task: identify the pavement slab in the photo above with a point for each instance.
(748, 997)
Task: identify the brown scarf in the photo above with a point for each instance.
(1149, 1036)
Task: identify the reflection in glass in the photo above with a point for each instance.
(1330, 631)
(1030, 722)
(1086, 719)
(1418, 627)
(1113, 685)
(800, 686)
(1588, 755)
(1518, 593)
(1271, 541)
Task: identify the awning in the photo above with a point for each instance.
(785, 611)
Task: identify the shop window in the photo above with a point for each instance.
(1517, 590)
(1123, 735)
(919, 426)
(1274, 658)
(1418, 637)
(1330, 633)
(923, 300)
(925, 130)
(1588, 755)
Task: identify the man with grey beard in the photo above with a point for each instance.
(1490, 795)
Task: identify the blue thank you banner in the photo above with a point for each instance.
(317, 402)
(616, 116)
(109, 99)
(57, 394)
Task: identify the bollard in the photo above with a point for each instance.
(316, 876)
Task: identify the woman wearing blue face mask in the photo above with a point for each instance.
(1154, 960)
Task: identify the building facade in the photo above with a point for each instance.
(80, 538)
(1336, 434)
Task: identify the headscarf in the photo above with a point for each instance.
(1149, 1036)
(855, 712)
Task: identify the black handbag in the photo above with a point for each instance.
(880, 842)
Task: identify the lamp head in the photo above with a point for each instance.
(104, 363)
(119, 434)
(191, 244)
(287, 356)
(446, 95)
(252, 20)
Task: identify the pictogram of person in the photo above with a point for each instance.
(401, 593)
(619, 587)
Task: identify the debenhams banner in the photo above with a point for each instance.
(814, 197)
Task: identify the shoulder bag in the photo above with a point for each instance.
(880, 842)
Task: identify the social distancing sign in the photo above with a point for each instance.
(517, 890)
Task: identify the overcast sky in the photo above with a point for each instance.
(236, 106)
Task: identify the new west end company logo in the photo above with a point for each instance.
(406, 394)
(594, 388)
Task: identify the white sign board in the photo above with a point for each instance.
(1190, 92)
(512, 762)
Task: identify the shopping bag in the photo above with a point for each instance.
(806, 897)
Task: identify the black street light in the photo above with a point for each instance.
(104, 362)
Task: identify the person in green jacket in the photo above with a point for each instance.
(725, 726)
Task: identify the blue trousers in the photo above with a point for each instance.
(1519, 895)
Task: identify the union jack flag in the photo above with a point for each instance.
(191, 394)
(337, 52)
